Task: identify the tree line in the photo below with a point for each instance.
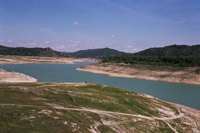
(183, 61)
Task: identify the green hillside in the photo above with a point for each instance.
(96, 53)
(21, 51)
(172, 50)
(182, 61)
(68, 108)
(174, 55)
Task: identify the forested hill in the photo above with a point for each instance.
(174, 55)
(96, 53)
(172, 50)
(21, 51)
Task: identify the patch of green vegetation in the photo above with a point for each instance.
(197, 71)
(177, 61)
(59, 107)
(21, 51)
(96, 53)
(105, 129)
(172, 50)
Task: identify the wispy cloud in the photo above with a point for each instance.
(32, 44)
(129, 46)
(130, 49)
(6, 41)
(76, 23)
(46, 42)
(113, 36)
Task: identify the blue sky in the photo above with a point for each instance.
(127, 25)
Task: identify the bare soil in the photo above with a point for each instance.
(14, 77)
(35, 59)
(188, 75)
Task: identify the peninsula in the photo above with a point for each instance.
(175, 63)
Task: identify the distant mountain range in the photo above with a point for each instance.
(96, 53)
(21, 51)
(172, 50)
(48, 52)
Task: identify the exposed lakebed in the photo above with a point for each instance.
(185, 94)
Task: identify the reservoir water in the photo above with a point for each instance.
(185, 94)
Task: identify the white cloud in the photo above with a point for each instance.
(74, 44)
(6, 41)
(129, 46)
(10, 41)
(60, 47)
(113, 36)
(32, 44)
(76, 23)
(130, 49)
(136, 50)
(46, 42)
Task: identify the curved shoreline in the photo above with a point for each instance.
(100, 70)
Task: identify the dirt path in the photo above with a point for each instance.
(107, 113)
(100, 111)
(171, 127)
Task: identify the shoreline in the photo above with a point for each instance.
(28, 79)
(7, 59)
(100, 70)
(15, 77)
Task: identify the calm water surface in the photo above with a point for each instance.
(184, 94)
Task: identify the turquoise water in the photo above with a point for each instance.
(184, 94)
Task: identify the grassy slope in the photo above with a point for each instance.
(59, 107)
(173, 55)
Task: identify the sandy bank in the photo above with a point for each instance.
(14, 77)
(187, 75)
(5, 59)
